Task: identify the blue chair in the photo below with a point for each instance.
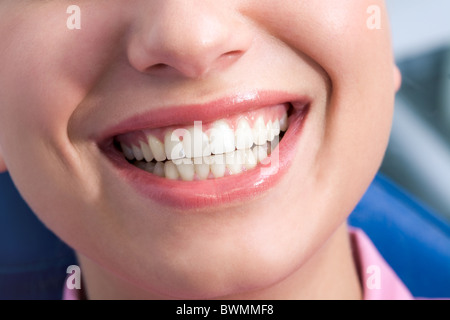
(33, 261)
(412, 239)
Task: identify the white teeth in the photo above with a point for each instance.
(170, 170)
(194, 154)
(215, 159)
(260, 152)
(243, 135)
(284, 122)
(173, 145)
(202, 170)
(137, 153)
(218, 170)
(157, 148)
(221, 138)
(186, 171)
(159, 169)
(207, 160)
(250, 160)
(127, 151)
(259, 132)
(270, 133)
(274, 143)
(196, 143)
(234, 163)
(276, 128)
(148, 155)
(218, 165)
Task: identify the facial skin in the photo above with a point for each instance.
(60, 87)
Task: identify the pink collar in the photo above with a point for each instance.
(378, 280)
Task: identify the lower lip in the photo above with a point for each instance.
(213, 192)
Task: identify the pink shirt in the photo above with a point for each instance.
(379, 281)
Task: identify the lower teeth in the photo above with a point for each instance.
(212, 167)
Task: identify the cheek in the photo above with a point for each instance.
(357, 60)
(47, 70)
(36, 99)
(359, 114)
(359, 64)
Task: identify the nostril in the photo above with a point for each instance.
(232, 55)
(159, 67)
(228, 58)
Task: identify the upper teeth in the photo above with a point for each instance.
(194, 143)
(227, 146)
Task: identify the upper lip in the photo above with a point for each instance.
(206, 112)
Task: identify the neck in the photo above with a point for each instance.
(329, 274)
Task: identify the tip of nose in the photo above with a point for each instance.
(209, 41)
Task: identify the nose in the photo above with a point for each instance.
(190, 37)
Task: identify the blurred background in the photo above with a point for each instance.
(418, 156)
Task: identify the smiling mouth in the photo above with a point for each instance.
(213, 150)
(240, 149)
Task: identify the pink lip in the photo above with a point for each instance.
(212, 192)
(187, 114)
